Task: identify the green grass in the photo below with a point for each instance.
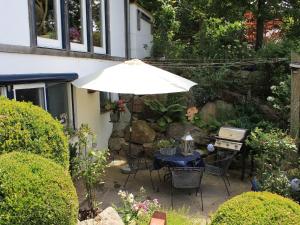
(175, 217)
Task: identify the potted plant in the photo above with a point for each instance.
(115, 108)
(166, 147)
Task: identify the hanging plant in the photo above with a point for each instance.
(115, 108)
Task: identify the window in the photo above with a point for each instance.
(77, 25)
(48, 23)
(105, 97)
(34, 93)
(98, 26)
(2, 91)
(58, 101)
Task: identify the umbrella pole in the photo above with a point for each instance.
(130, 131)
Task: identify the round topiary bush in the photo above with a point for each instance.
(258, 208)
(35, 191)
(25, 127)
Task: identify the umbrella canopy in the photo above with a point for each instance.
(135, 77)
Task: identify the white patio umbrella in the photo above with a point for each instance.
(135, 77)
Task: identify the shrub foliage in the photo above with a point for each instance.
(257, 208)
(25, 127)
(36, 191)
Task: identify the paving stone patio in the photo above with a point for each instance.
(214, 192)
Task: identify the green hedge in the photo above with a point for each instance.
(261, 208)
(25, 127)
(35, 191)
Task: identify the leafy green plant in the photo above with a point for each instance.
(29, 128)
(89, 164)
(35, 190)
(281, 98)
(164, 143)
(174, 217)
(257, 208)
(166, 114)
(133, 209)
(271, 150)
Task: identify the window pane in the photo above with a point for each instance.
(97, 25)
(75, 21)
(105, 97)
(34, 95)
(45, 13)
(2, 91)
(58, 100)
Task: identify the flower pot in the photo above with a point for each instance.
(114, 117)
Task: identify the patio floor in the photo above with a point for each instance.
(214, 192)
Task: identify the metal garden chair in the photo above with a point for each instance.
(187, 178)
(220, 168)
(136, 164)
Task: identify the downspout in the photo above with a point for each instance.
(127, 29)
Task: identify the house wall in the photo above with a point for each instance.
(117, 28)
(86, 106)
(15, 32)
(141, 40)
(14, 23)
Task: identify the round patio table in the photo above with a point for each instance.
(177, 160)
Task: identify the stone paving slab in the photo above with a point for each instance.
(214, 192)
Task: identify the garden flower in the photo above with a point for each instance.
(155, 201)
(135, 207)
(191, 112)
(122, 194)
(273, 88)
(130, 198)
(270, 99)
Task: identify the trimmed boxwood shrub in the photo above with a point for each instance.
(25, 127)
(35, 191)
(257, 208)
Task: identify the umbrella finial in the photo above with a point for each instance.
(134, 62)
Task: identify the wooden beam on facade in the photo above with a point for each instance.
(56, 52)
(295, 95)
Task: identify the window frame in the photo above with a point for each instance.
(102, 49)
(77, 46)
(52, 43)
(31, 86)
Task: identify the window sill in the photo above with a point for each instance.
(56, 52)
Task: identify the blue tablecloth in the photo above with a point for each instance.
(177, 160)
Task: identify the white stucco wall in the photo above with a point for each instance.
(87, 106)
(140, 38)
(117, 28)
(14, 22)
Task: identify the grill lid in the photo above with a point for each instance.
(232, 133)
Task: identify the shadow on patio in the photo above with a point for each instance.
(214, 192)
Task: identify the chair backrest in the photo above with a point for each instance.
(187, 177)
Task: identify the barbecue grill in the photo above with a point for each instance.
(232, 139)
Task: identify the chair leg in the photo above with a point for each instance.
(200, 189)
(225, 185)
(125, 183)
(138, 168)
(172, 196)
(228, 180)
(146, 164)
(151, 180)
(159, 176)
